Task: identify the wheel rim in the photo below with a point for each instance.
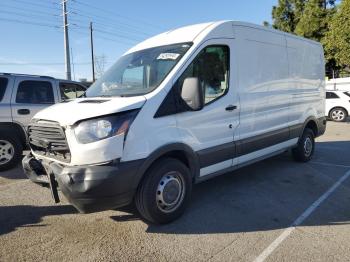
(7, 151)
(170, 192)
(338, 115)
(308, 146)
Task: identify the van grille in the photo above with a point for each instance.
(48, 139)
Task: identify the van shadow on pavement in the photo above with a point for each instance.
(14, 173)
(13, 217)
(265, 196)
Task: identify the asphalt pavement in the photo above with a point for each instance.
(274, 210)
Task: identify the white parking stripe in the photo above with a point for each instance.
(328, 164)
(300, 219)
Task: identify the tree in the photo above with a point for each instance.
(283, 16)
(307, 18)
(337, 39)
(313, 22)
(287, 13)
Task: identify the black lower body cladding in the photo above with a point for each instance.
(90, 188)
(321, 125)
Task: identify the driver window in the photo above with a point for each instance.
(211, 66)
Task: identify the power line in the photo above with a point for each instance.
(117, 35)
(21, 14)
(29, 22)
(113, 26)
(116, 14)
(99, 37)
(109, 33)
(36, 4)
(98, 18)
(33, 11)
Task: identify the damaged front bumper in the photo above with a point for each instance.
(87, 188)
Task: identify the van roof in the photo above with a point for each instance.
(192, 32)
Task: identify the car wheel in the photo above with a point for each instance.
(164, 192)
(10, 152)
(304, 151)
(338, 114)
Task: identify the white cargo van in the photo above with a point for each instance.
(179, 108)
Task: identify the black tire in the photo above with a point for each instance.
(147, 199)
(16, 151)
(338, 114)
(306, 147)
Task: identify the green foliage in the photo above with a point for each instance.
(313, 23)
(318, 20)
(337, 39)
(283, 16)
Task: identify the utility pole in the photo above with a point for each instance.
(66, 40)
(92, 53)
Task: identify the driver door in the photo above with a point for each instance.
(210, 131)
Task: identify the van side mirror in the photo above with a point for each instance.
(192, 93)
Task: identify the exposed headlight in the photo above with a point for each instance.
(96, 129)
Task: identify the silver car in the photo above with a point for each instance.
(21, 97)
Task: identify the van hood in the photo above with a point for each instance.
(68, 113)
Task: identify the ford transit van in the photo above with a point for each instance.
(179, 108)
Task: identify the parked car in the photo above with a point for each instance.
(21, 97)
(338, 105)
(177, 109)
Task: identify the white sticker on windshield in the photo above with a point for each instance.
(168, 56)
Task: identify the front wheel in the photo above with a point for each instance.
(338, 115)
(165, 192)
(304, 151)
(10, 151)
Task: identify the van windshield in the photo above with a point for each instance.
(138, 73)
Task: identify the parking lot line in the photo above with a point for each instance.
(328, 164)
(268, 251)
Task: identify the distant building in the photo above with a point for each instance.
(342, 84)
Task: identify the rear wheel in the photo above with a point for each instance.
(165, 192)
(306, 146)
(10, 151)
(338, 114)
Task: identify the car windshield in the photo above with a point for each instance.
(347, 93)
(138, 73)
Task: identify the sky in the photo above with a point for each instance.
(31, 39)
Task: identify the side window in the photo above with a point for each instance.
(331, 95)
(3, 85)
(35, 92)
(80, 90)
(211, 66)
(71, 91)
(347, 93)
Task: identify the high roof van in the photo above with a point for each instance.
(179, 108)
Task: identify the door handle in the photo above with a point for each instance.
(230, 108)
(23, 111)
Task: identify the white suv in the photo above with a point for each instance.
(21, 97)
(337, 105)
